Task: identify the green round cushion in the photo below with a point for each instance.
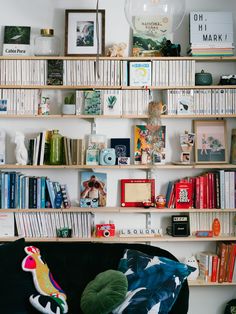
(105, 293)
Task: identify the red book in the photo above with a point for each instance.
(202, 191)
(213, 185)
(197, 192)
(232, 255)
(210, 189)
(214, 271)
(221, 252)
(183, 194)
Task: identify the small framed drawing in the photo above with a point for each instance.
(135, 191)
(211, 144)
(82, 37)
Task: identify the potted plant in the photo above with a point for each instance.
(69, 105)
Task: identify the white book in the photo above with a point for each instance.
(7, 225)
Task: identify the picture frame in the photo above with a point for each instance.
(81, 30)
(135, 191)
(210, 141)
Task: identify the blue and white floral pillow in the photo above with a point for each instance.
(153, 283)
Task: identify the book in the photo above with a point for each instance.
(146, 46)
(16, 41)
(54, 72)
(112, 102)
(3, 106)
(2, 146)
(65, 196)
(222, 253)
(231, 261)
(92, 102)
(7, 228)
(183, 194)
(140, 73)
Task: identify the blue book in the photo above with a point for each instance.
(50, 192)
(43, 190)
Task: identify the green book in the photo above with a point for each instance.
(54, 72)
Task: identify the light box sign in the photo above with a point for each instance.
(211, 27)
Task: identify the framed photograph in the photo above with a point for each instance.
(211, 144)
(82, 37)
(135, 191)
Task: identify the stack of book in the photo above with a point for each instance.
(211, 34)
(219, 266)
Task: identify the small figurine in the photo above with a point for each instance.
(147, 204)
(160, 201)
(20, 150)
(117, 50)
(216, 227)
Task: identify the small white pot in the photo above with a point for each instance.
(68, 109)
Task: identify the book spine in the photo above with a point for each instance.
(214, 268)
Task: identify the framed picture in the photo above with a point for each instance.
(122, 148)
(82, 37)
(93, 189)
(211, 144)
(135, 191)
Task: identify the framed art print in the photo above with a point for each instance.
(122, 148)
(135, 191)
(82, 36)
(211, 144)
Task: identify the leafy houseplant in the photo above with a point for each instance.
(69, 104)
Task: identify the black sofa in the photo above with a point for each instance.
(73, 265)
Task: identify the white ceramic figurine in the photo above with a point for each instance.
(20, 150)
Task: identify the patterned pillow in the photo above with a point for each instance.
(153, 282)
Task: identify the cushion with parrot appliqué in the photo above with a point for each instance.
(51, 298)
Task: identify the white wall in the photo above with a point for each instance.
(50, 13)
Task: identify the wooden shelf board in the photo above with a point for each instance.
(84, 87)
(122, 239)
(214, 59)
(130, 167)
(130, 116)
(202, 283)
(198, 116)
(124, 210)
